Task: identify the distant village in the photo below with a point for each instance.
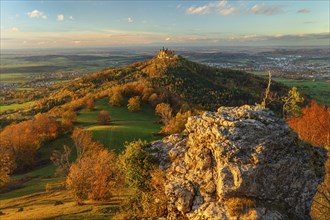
(291, 66)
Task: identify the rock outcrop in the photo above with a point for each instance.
(239, 163)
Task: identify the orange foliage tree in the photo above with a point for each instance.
(93, 176)
(103, 118)
(134, 104)
(115, 96)
(164, 111)
(314, 125)
(25, 138)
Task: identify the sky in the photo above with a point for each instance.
(74, 24)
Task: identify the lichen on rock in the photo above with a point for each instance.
(239, 163)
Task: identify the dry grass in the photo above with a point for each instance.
(240, 206)
(42, 206)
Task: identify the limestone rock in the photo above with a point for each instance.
(239, 163)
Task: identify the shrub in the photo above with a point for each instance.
(176, 124)
(136, 164)
(164, 111)
(147, 182)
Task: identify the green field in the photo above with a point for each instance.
(317, 89)
(15, 106)
(124, 126)
(8, 78)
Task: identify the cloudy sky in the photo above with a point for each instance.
(61, 24)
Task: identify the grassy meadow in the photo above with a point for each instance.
(15, 106)
(124, 126)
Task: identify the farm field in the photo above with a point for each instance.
(317, 89)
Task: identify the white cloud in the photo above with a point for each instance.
(130, 20)
(227, 10)
(178, 6)
(198, 10)
(36, 14)
(221, 8)
(262, 9)
(167, 39)
(77, 41)
(15, 29)
(71, 17)
(304, 11)
(60, 17)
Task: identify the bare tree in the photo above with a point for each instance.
(263, 104)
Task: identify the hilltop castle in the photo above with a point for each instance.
(166, 54)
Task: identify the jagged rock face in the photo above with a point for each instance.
(239, 163)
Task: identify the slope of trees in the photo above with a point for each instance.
(25, 138)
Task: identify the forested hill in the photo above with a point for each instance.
(167, 78)
(195, 83)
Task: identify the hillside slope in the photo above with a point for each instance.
(197, 84)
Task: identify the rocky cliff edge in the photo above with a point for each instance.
(239, 163)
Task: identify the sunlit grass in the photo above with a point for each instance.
(15, 106)
(124, 126)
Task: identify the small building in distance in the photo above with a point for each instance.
(166, 54)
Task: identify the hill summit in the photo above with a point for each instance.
(199, 85)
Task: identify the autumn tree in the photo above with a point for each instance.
(176, 124)
(7, 164)
(164, 111)
(116, 97)
(68, 119)
(90, 103)
(83, 142)
(103, 118)
(94, 176)
(134, 104)
(25, 138)
(146, 93)
(153, 99)
(314, 124)
(62, 161)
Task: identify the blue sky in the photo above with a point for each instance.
(54, 24)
